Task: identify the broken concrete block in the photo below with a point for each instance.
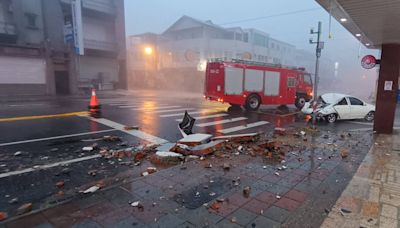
(91, 189)
(18, 153)
(60, 184)
(207, 148)
(166, 158)
(344, 153)
(251, 137)
(129, 128)
(246, 191)
(87, 148)
(139, 156)
(195, 139)
(280, 131)
(24, 209)
(226, 166)
(151, 170)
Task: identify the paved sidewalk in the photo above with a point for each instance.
(373, 195)
(196, 195)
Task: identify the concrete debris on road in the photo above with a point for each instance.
(60, 184)
(91, 189)
(240, 138)
(246, 191)
(25, 208)
(18, 153)
(195, 139)
(87, 148)
(3, 216)
(130, 128)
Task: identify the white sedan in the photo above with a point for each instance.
(334, 106)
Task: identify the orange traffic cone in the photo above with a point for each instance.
(94, 106)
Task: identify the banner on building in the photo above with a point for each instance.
(76, 6)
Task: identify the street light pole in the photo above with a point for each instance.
(319, 47)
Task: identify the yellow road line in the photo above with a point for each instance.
(43, 116)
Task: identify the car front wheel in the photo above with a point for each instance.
(370, 116)
(331, 118)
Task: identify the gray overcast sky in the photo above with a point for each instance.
(157, 15)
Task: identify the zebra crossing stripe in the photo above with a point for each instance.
(221, 122)
(173, 110)
(155, 108)
(206, 117)
(242, 127)
(128, 106)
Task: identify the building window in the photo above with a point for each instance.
(272, 45)
(246, 37)
(31, 19)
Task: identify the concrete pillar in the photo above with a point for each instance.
(386, 99)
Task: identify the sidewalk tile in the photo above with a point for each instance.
(261, 221)
(287, 204)
(243, 217)
(255, 206)
(227, 223)
(28, 221)
(87, 223)
(266, 197)
(296, 195)
(167, 221)
(127, 222)
(238, 199)
(277, 214)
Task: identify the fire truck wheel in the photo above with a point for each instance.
(300, 101)
(253, 102)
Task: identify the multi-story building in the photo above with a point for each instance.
(179, 54)
(38, 52)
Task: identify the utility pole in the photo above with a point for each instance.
(319, 47)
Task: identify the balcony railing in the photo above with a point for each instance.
(7, 28)
(100, 45)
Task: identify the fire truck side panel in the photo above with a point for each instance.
(233, 82)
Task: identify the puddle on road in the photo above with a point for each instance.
(198, 195)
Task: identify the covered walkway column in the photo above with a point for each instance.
(386, 99)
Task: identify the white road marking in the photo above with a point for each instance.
(173, 110)
(205, 117)
(242, 127)
(155, 108)
(221, 122)
(128, 106)
(41, 167)
(55, 137)
(183, 113)
(24, 105)
(136, 133)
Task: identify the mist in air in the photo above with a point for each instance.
(160, 59)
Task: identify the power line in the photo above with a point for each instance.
(272, 16)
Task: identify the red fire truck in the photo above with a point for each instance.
(250, 84)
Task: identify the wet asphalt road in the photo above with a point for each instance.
(156, 114)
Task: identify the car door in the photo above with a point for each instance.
(357, 107)
(343, 109)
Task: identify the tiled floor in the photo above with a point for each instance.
(300, 192)
(373, 194)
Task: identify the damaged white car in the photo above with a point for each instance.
(335, 106)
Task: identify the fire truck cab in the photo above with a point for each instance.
(250, 84)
